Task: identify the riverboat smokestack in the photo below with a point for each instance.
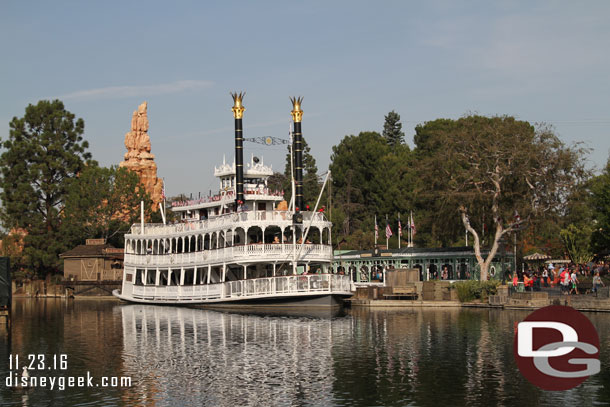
(238, 113)
(297, 148)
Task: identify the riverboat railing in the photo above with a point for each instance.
(269, 251)
(252, 288)
(260, 193)
(226, 221)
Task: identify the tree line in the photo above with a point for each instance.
(54, 195)
(492, 180)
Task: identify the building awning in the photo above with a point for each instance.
(536, 257)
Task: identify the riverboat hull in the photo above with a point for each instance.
(303, 300)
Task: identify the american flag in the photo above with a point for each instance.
(399, 227)
(412, 225)
(388, 231)
(163, 190)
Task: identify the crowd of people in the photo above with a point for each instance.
(565, 276)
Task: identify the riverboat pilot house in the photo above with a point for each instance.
(94, 261)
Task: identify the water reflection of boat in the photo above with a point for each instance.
(245, 245)
(218, 358)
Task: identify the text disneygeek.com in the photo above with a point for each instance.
(63, 382)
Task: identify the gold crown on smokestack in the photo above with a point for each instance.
(238, 108)
(297, 113)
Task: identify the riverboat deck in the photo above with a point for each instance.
(251, 289)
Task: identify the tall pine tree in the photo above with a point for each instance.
(392, 130)
(45, 149)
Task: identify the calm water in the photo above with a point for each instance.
(183, 357)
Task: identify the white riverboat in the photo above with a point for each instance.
(244, 246)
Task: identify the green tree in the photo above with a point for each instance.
(495, 166)
(435, 218)
(577, 241)
(392, 130)
(45, 149)
(355, 168)
(600, 199)
(370, 178)
(311, 185)
(103, 203)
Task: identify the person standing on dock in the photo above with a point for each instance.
(597, 281)
(574, 282)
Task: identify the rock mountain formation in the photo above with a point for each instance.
(138, 157)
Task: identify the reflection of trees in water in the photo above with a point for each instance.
(86, 330)
(437, 357)
(198, 356)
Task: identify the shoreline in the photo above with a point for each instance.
(599, 305)
(586, 305)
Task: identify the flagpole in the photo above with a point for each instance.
(387, 238)
(163, 207)
(410, 236)
(399, 230)
(376, 230)
(411, 228)
(408, 233)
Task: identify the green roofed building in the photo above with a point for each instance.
(460, 263)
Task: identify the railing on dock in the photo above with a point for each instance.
(252, 288)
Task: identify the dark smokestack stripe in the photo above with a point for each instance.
(239, 161)
(238, 112)
(298, 165)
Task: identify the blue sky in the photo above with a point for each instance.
(353, 61)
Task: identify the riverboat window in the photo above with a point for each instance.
(254, 181)
(139, 273)
(316, 268)
(200, 276)
(175, 277)
(163, 277)
(189, 276)
(151, 276)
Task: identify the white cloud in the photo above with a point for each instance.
(117, 92)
